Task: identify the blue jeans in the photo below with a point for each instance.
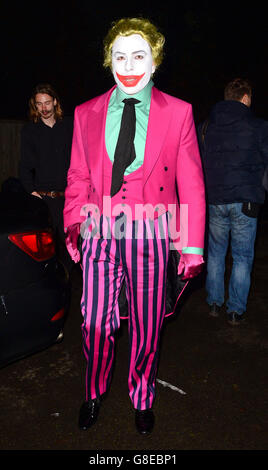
(225, 220)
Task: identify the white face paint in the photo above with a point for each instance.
(132, 63)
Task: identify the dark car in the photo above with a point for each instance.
(34, 285)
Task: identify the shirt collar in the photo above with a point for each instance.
(43, 124)
(144, 96)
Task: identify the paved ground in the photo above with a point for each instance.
(222, 371)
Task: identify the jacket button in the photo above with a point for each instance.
(166, 168)
(161, 189)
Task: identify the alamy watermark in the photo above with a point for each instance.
(148, 221)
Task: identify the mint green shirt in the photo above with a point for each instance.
(113, 121)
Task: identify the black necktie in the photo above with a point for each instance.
(125, 151)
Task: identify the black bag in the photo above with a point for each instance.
(265, 179)
(175, 285)
(204, 130)
(251, 209)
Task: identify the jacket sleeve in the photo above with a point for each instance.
(191, 189)
(78, 177)
(264, 142)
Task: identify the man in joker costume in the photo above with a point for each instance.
(110, 176)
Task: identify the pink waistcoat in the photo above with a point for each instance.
(130, 193)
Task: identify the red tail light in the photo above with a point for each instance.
(38, 244)
(58, 315)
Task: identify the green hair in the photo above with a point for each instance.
(128, 26)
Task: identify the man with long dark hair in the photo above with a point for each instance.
(45, 155)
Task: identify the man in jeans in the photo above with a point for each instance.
(234, 148)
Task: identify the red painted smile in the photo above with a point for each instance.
(129, 80)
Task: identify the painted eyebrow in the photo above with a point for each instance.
(135, 52)
(140, 52)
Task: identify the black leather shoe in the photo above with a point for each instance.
(88, 414)
(214, 310)
(234, 318)
(144, 421)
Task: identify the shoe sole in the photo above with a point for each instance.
(145, 433)
(214, 314)
(86, 427)
(235, 323)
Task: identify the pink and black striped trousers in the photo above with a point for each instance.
(140, 258)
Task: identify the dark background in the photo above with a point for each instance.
(207, 44)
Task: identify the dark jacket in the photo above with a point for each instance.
(234, 154)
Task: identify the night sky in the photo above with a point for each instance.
(62, 43)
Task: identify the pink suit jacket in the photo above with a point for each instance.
(171, 160)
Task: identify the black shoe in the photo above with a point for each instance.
(214, 310)
(144, 421)
(88, 414)
(234, 318)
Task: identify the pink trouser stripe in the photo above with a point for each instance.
(141, 261)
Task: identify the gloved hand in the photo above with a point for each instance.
(72, 235)
(190, 265)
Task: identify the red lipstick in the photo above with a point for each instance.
(129, 80)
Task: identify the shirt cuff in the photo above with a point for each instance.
(193, 250)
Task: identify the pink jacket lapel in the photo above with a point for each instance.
(157, 128)
(96, 138)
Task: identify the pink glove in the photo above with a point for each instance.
(190, 265)
(72, 235)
